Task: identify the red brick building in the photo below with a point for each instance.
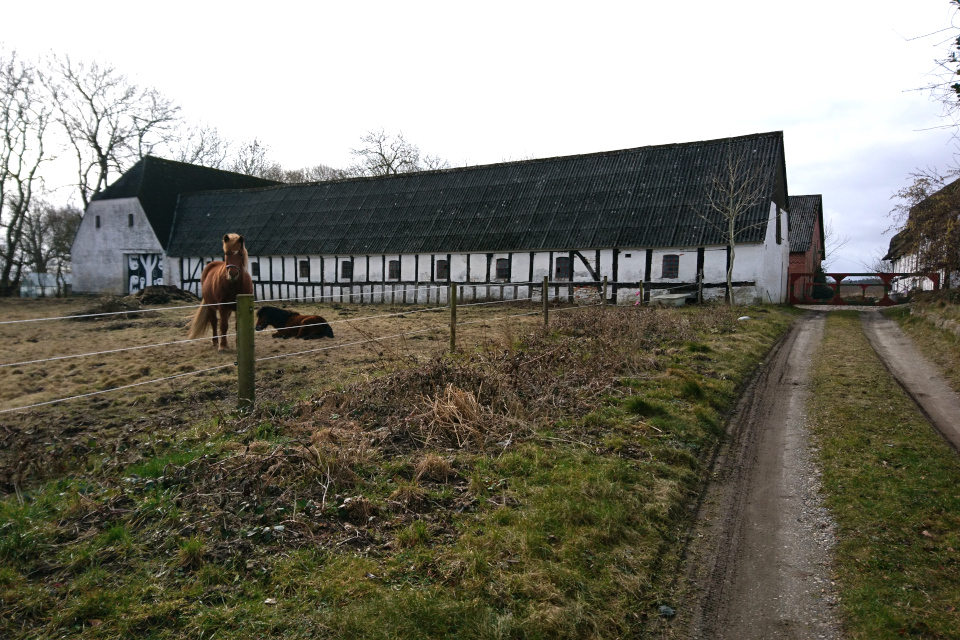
(806, 239)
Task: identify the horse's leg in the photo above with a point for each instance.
(224, 325)
(213, 323)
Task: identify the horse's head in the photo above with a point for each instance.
(233, 272)
(234, 250)
(267, 316)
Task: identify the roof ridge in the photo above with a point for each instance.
(528, 161)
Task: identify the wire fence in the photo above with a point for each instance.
(454, 323)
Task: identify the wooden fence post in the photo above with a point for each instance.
(546, 296)
(603, 297)
(453, 317)
(245, 382)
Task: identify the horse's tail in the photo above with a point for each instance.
(201, 319)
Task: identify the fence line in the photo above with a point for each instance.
(249, 309)
(230, 335)
(568, 284)
(126, 386)
(97, 353)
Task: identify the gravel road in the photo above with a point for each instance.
(758, 564)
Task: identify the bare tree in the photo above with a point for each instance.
(252, 159)
(929, 216)
(833, 242)
(110, 122)
(734, 190)
(316, 173)
(48, 236)
(385, 154)
(202, 145)
(24, 118)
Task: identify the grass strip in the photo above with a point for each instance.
(893, 487)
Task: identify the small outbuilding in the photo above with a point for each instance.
(120, 246)
(806, 241)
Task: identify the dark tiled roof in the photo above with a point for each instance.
(641, 197)
(804, 213)
(158, 183)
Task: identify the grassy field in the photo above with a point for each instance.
(532, 485)
(893, 486)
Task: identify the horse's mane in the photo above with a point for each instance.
(274, 315)
(241, 258)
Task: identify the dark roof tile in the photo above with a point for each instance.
(644, 197)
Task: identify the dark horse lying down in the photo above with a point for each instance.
(292, 325)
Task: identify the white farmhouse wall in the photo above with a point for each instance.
(278, 277)
(99, 254)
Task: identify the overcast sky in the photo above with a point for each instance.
(486, 81)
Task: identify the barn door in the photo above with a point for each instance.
(144, 270)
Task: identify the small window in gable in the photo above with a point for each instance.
(779, 232)
(305, 269)
(564, 268)
(255, 269)
(394, 270)
(129, 219)
(346, 270)
(671, 266)
(443, 270)
(97, 222)
(503, 269)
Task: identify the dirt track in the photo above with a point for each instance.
(938, 402)
(758, 563)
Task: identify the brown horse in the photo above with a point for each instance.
(221, 283)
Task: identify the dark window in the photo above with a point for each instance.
(97, 221)
(255, 269)
(503, 269)
(564, 270)
(779, 232)
(627, 255)
(346, 270)
(394, 270)
(305, 269)
(671, 266)
(443, 270)
(129, 219)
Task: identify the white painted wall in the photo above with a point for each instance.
(99, 255)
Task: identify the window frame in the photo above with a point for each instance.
(442, 269)
(393, 269)
(346, 270)
(674, 267)
(303, 265)
(96, 222)
(502, 269)
(563, 268)
(255, 269)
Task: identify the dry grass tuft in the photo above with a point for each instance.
(454, 417)
(435, 467)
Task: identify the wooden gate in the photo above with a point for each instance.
(805, 284)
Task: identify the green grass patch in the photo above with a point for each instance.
(533, 491)
(154, 467)
(892, 487)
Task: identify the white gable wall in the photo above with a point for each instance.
(99, 255)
